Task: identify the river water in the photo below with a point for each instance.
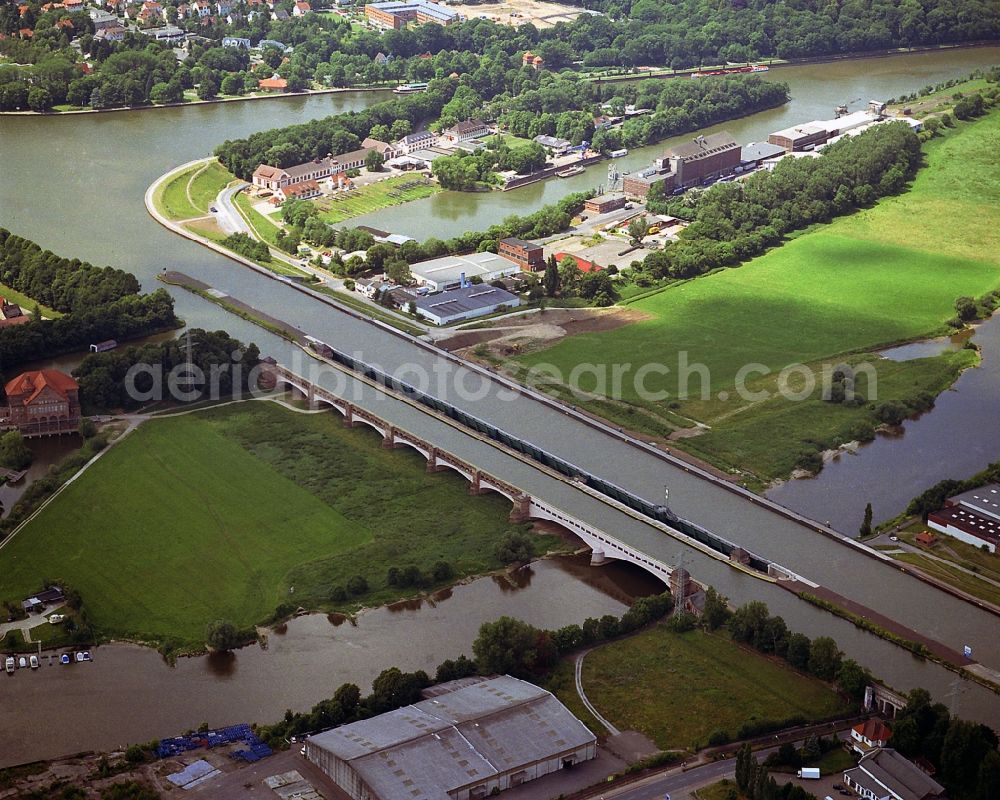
(75, 185)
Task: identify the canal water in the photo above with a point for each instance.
(91, 207)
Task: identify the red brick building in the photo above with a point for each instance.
(527, 255)
(42, 402)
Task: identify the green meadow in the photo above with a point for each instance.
(883, 275)
(229, 512)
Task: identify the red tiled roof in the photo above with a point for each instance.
(874, 730)
(32, 383)
(272, 83)
(23, 319)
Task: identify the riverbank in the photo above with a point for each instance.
(192, 103)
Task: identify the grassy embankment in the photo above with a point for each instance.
(229, 512)
(883, 275)
(958, 554)
(366, 199)
(678, 689)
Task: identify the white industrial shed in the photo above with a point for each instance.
(468, 740)
(448, 272)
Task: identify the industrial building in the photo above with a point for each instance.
(972, 517)
(397, 15)
(448, 272)
(527, 255)
(809, 135)
(604, 203)
(465, 302)
(702, 159)
(472, 738)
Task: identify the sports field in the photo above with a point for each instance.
(364, 200)
(883, 275)
(680, 688)
(228, 512)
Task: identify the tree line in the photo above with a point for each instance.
(102, 376)
(333, 53)
(100, 303)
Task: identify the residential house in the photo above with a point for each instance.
(556, 145)
(223, 8)
(201, 8)
(115, 33)
(465, 130)
(603, 123)
(279, 15)
(381, 58)
(868, 735)
(273, 84)
(103, 19)
(301, 9)
(73, 5)
(302, 190)
(529, 59)
(239, 42)
(42, 402)
(883, 774)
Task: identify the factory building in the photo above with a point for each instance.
(469, 739)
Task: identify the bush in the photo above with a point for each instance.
(338, 594)
(357, 585)
(718, 738)
(515, 547)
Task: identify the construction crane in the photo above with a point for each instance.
(614, 177)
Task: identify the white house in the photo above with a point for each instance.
(465, 131)
(868, 735)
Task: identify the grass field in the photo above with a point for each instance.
(228, 512)
(390, 192)
(680, 688)
(190, 193)
(883, 275)
(264, 228)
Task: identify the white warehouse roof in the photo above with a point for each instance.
(448, 270)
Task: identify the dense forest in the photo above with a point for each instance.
(732, 222)
(98, 303)
(331, 52)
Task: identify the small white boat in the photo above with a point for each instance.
(9, 665)
(618, 153)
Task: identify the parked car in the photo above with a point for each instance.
(65, 659)
(893, 538)
(34, 662)
(9, 665)
(22, 663)
(86, 655)
(79, 657)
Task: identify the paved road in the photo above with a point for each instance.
(226, 215)
(578, 676)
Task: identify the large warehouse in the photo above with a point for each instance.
(448, 272)
(471, 738)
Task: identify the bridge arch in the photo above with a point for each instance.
(402, 440)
